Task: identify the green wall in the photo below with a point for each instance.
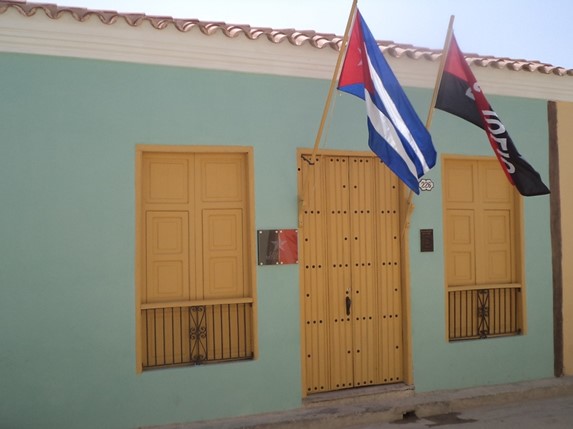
(437, 363)
(67, 146)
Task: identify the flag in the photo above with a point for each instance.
(395, 132)
(460, 95)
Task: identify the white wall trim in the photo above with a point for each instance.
(144, 44)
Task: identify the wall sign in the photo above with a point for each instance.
(426, 240)
(277, 246)
(426, 184)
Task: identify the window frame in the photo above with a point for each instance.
(518, 258)
(250, 257)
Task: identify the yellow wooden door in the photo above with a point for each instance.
(222, 204)
(168, 216)
(196, 278)
(481, 248)
(480, 226)
(350, 262)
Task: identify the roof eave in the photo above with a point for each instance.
(79, 34)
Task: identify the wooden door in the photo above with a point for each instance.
(482, 250)
(196, 289)
(350, 262)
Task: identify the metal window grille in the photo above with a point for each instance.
(484, 312)
(197, 334)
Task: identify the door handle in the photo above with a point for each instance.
(348, 305)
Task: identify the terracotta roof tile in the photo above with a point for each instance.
(292, 36)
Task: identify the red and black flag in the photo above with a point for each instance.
(460, 95)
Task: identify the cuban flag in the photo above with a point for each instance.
(395, 132)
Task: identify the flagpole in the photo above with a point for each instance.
(409, 210)
(303, 190)
(440, 71)
(409, 205)
(334, 80)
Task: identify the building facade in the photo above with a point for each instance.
(171, 251)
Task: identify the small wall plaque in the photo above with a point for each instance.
(426, 240)
(277, 246)
(426, 184)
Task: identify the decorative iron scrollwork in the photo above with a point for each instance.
(198, 335)
(483, 313)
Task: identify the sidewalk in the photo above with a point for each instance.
(338, 410)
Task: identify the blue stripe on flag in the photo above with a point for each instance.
(396, 133)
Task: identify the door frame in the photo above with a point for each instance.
(405, 261)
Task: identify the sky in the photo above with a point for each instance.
(520, 29)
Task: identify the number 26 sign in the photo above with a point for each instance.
(426, 184)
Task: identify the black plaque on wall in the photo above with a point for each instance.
(426, 240)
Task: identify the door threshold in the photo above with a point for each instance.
(369, 393)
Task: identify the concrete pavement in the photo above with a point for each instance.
(370, 408)
(547, 413)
